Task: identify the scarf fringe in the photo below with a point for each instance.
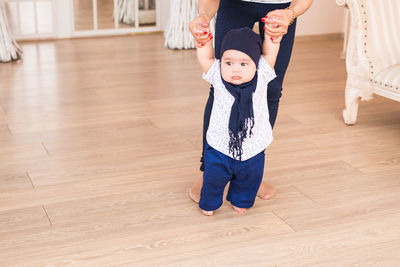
(236, 140)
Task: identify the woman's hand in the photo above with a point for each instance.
(199, 28)
(277, 22)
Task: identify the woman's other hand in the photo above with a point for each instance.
(277, 22)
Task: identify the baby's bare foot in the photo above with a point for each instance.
(266, 191)
(207, 213)
(239, 210)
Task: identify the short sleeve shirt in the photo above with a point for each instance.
(218, 130)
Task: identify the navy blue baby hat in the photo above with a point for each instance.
(241, 120)
(244, 40)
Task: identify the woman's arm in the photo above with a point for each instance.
(278, 21)
(299, 7)
(205, 56)
(199, 27)
(208, 8)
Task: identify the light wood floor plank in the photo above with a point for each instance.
(383, 254)
(332, 212)
(10, 181)
(22, 219)
(144, 246)
(143, 182)
(310, 244)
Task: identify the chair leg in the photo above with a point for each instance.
(352, 96)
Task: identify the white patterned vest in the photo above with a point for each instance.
(218, 129)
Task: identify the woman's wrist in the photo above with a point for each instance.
(293, 14)
(205, 16)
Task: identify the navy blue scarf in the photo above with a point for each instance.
(241, 120)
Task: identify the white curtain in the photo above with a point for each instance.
(9, 49)
(177, 34)
(127, 11)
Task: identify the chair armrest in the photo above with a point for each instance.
(341, 2)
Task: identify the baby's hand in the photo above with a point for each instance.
(275, 40)
(271, 39)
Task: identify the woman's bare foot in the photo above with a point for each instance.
(239, 210)
(266, 191)
(207, 213)
(195, 190)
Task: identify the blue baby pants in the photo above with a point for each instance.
(244, 176)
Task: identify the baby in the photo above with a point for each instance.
(239, 129)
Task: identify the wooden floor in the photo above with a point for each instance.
(100, 140)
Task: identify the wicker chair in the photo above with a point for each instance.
(373, 52)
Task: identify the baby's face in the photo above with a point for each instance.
(237, 67)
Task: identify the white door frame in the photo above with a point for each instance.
(116, 30)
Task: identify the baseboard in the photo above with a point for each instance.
(29, 40)
(320, 37)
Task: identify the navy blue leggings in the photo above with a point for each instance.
(233, 14)
(244, 179)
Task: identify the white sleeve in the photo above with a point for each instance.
(213, 73)
(265, 70)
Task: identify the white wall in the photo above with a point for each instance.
(164, 7)
(323, 17)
